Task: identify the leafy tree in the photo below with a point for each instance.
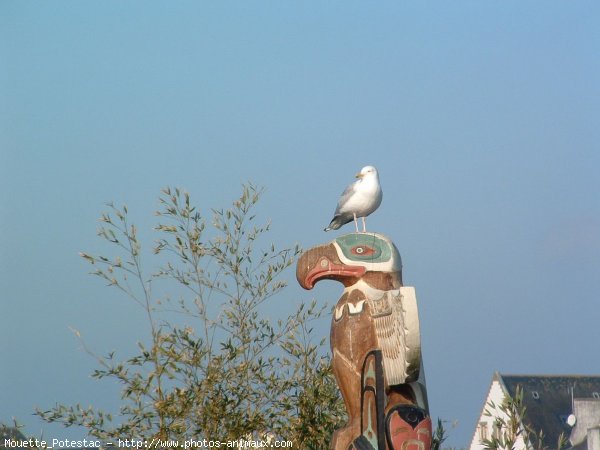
(439, 435)
(229, 372)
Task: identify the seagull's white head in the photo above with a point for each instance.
(367, 171)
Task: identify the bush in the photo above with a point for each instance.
(230, 372)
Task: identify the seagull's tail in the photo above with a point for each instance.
(336, 222)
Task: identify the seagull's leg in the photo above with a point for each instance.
(364, 225)
(355, 222)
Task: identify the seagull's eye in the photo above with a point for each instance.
(362, 250)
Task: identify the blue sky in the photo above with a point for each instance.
(483, 119)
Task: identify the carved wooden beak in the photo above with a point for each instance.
(322, 262)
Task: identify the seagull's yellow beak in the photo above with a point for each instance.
(358, 175)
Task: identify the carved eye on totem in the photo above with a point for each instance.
(365, 247)
(362, 250)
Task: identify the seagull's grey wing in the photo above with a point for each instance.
(340, 219)
(349, 192)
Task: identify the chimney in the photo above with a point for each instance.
(586, 412)
(593, 438)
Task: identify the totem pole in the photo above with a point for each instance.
(375, 343)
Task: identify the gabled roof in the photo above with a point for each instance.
(549, 399)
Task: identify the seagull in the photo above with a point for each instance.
(359, 199)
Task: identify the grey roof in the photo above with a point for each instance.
(548, 399)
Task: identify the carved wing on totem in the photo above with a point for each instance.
(396, 321)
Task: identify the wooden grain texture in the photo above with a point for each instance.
(375, 315)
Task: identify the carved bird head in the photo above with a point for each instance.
(370, 257)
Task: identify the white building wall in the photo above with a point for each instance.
(485, 425)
